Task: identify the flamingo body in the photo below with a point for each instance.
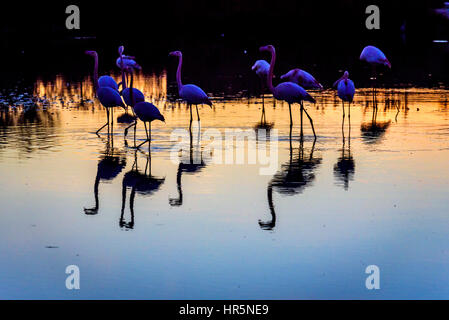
(194, 95)
(127, 62)
(261, 67)
(147, 112)
(138, 96)
(302, 78)
(109, 97)
(107, 81)
(346, 90)
(291, 93)
(374, 56)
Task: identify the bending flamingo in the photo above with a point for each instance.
(288, 91)
(191, 93)
(132, 96)
(146, 112)
(375, 57)
(346, 90)
(303, 78)
(107, 93)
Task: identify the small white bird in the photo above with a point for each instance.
(303, 78)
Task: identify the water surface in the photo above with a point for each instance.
(143, 227)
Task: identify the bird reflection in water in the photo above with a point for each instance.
(345, 166)
(143, 183)
(374, 130)
(294, 176)
(110, 165)
(192, 165)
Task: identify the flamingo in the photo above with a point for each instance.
(124, 61)
(132, 96)
(146, 112)
(107, 93)
(303, 78)
(103, 81)
(346, 90)
(261, 67)
(375, 57)
(288, 91)
(191, 93)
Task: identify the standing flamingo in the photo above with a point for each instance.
(375, 57)
(146, 112)
(287, 91)
(261, 67)
(346, 90)
(191, 93)
(303, 78)
(124, 61)
(103, 81)
(107, 93)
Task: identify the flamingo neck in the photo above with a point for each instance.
(270, 71)
(131, 91)
(178, 73)
(123, 72)
(96, 72)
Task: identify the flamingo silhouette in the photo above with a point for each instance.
(190, 93)
(375, 57)
(288, 91)
(107, 92)
(302, 78)
(346, 90)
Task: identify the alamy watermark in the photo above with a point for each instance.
(373, 280)
(227, 147)
(73, 280)
(373, 20)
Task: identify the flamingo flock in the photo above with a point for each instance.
(292, 89)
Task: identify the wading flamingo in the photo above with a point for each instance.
(346, 90)
(132, 96)
(124, 61)
(146, 112)
(191, 93)
(109, 97)
(103, 81)
(261, 67)
(303, 78)
(288, 91)
(375, 57)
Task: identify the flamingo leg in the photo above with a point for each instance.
(290, 111)
(343, 122)
(197, 114)
(191, 118)
(106, 124)
(301, 111)
(311, 122)
(148, 139)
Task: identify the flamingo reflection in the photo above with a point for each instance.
(109, 167)
(193, 165)
(295, 176)
(345, 166)
(143, 183)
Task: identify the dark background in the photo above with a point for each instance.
(322, 37)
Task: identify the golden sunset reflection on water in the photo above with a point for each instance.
(373, 191)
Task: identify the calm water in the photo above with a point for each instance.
(215, 231)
